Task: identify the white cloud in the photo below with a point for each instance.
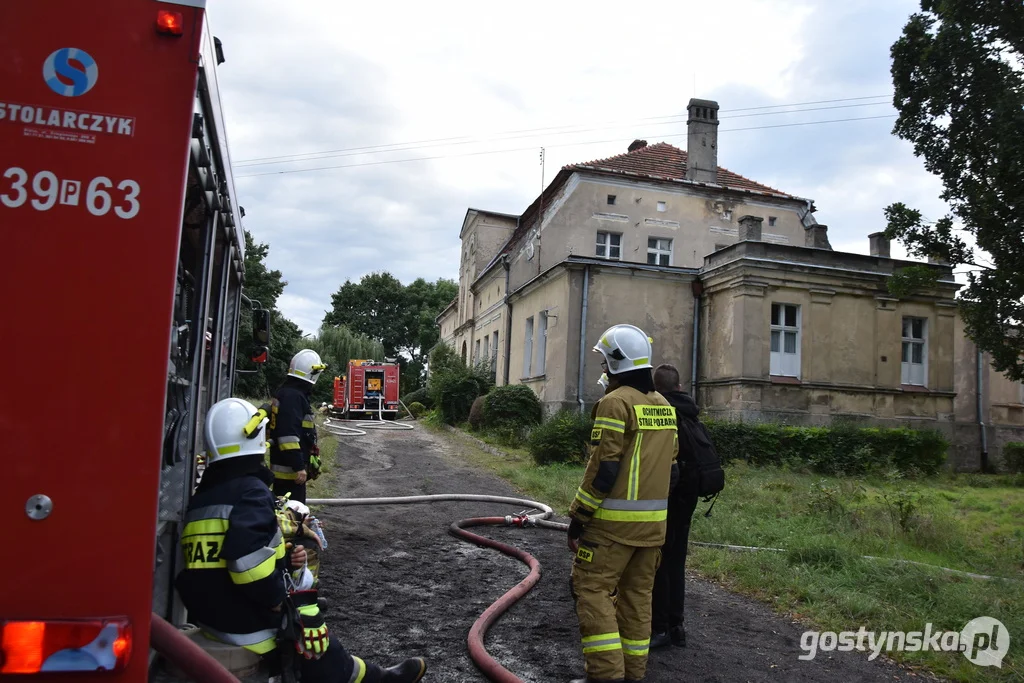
(314, 76)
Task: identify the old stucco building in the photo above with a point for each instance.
(705, 260)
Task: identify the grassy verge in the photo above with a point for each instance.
(826, 524)
(324, 485)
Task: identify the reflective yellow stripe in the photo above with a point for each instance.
(637, 648)
(641, 361)
(587, 499)
(300, 373)
(358, 670)
(307, 424)
(225, 450)
(286, 475)
(633, 488)
(601, 643)
(610, 423)
(288, 446)
(205, 526)
(263, 569)
(631, 515)
(655, 417)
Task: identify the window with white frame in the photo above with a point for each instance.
(914, 368)
(785, 340)
(609, 245)
(476, 352)
(528, 347)
(487, 350)
(659, 251)
(542, 344)
(494, 352)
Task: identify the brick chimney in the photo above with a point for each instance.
(750, 228)
(702, 141)
(879, 244)
(816, 237)
(637, 144)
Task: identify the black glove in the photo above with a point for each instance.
(575, 529)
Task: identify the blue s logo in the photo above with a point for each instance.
(82, 75)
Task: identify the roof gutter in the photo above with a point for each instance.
(508, 321)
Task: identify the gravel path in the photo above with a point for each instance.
(398, 584)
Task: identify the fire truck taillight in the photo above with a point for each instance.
(170, 23)
(29, 647)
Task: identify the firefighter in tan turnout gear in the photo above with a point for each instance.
(618, 516)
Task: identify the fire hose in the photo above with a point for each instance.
(359, 427)
(475, 642)
(179, 649)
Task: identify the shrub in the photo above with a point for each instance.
(421, 396)
(452, 386)
(1013, 457)
(417, 409)
(476, 413)
(840, 449)
(562, 438)
(514, 405)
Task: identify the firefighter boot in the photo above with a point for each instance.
(409, 671)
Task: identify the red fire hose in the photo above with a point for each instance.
(477, 652)
(193, 660)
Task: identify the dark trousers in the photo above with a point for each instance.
(335, 666)
(670, 581)
(283, 486)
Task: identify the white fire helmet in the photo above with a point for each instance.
(306, 364)
(625, 348)
(604, 380)
(225, 431)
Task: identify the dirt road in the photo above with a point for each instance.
(399, 584)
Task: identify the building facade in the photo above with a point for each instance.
(737, 284)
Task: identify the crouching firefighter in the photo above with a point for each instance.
(238, 573)
(294, 453)
(619, 513)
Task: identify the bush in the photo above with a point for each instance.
(840, 449)
(421, 396)
(416, 409)
(562, 438)
(453, 387)
(476, 413)
(513, 405)
(1013, 457)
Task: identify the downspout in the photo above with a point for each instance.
(981, 416)
(583, 338)
(698, 287)
(508, 321)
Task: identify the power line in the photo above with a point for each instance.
(565, 144)
(406, 146)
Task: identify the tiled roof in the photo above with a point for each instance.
(665, 162)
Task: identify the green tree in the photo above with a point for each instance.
(337, 346)
(958, 73)
(400, 317)
(265, 286)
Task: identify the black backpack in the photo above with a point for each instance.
(698, 457)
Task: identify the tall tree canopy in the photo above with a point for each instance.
(958, 73)
(400, 317)
(265, 286)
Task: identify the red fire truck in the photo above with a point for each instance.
(370, 389)
(123, 267)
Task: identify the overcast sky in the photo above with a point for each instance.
(317, 76)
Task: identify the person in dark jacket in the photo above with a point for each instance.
(235, 583)
(670, 581)
(293, 442)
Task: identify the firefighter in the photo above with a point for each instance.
(294, 454)
(237, 567)
(618, 515)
